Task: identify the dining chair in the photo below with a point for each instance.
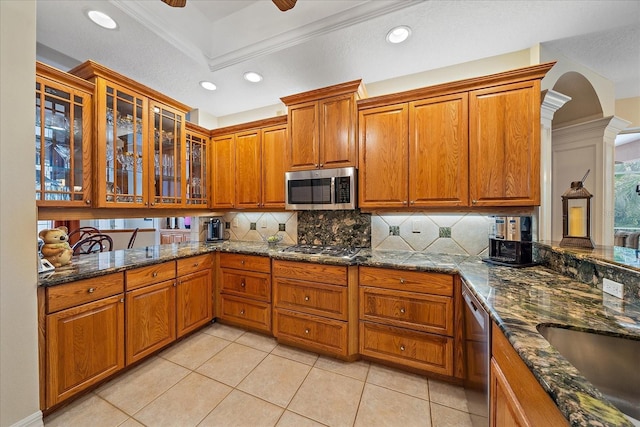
(80, 233)
(93, 243)
(133, 238)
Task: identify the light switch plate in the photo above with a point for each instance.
(612, 287)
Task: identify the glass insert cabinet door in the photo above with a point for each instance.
(124, 148)
(62, 137)
(167, 183)
(196, 161)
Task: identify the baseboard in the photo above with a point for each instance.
(33, 420)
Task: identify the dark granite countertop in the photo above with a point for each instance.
(517, 299)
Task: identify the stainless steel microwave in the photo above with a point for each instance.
(321, 189)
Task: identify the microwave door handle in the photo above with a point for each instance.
(333, 190)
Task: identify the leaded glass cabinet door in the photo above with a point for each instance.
(196, 160)
(122, 149)
(62, 138)
(167, 183)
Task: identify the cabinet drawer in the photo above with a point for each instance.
(404, 280)
(83, 291)
(254, 314)
(194, 263)
(333, 274)
(246, 284)
(246, 262)
(418, 350)
(324, 335)
(156, 273)
(312, 298)
(428, 313)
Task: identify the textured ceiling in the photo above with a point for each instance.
(319, 43)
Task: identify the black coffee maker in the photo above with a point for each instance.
(510, 241)
(215, 229)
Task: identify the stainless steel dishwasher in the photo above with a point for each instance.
(477, 329)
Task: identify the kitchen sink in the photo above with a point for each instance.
(609, 362)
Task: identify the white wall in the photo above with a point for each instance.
(19, 397)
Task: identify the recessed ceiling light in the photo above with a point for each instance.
(252, 77)
(208, 85)
(398, 34)
(102, 19)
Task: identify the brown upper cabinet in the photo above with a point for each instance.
(473, 142)
(140, 142)
(415, 154)
(63, 126)
(197, 161)
(322, 127)
(248, 163)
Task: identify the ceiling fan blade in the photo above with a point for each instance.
(284, 5)
(176, 3)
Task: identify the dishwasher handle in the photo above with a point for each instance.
(478, 313)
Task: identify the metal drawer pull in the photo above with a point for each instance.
(401, 348)
(402, 280)
(91, 290)
(306, 298)
(243, 284)
(306, 331)
(242, 262)
(155, 274)
(196, 264)
(242, 311)
(402, 310)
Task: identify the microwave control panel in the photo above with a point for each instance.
(343, 190)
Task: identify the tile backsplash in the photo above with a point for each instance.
(437, 233)
(442, 233)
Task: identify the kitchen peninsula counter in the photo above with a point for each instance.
(517, 299)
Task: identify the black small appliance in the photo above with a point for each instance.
(215, 230)
(510, 241)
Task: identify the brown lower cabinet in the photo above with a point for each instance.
(408, 318)
(81, 335)
(315, 307)
(85, 337)
(244, 286)
(517, 399)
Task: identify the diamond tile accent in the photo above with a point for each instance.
(282, 227)
(252, 226)
(394, 230)
(445, 232)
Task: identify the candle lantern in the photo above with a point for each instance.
(576, 217)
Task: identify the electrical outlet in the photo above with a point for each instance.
(235, 222)
(263, 223)
(613, 288)
(416, 226)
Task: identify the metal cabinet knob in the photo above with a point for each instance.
(404, 202)
(121, 299)
(242, 311)
(155, 274)
(402, 280)
(402, 310)
(242, 284)
(88, 202)
(306, 331)
(401, 348)
(242, 262)
(153, 203)
(196, 264)
(412, 202)
(321, 165)
(306, 298)
(473, 202)
(91, 290)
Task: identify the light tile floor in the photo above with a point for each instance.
(226, 376)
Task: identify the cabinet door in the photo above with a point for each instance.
(85, 344)
(383, 157)
(63, 144)
(505, 408)
(122, 132)
(338, 147)
(274, 165)
(194, 300)
(248, 167)
(151, 319)
(438, 152)
(303, 138)
(196, 170)
(223, 166)
(504, 145)
(167, 159)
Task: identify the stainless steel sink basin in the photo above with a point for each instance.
(611, 364)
